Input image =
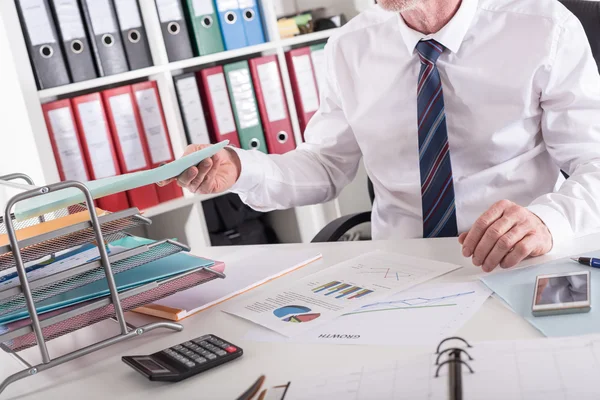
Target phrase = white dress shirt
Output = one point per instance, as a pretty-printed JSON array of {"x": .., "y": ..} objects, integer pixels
[{"x": 522, "y": 98}]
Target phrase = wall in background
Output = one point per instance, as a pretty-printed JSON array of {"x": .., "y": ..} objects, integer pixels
[{"x": 15, "y": 129}]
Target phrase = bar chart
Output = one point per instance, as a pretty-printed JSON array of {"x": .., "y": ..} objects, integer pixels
[{"x": 341, "y": 290}]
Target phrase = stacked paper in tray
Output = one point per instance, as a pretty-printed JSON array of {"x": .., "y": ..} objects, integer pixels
[
  {"x": 158, "y": 270},
  {"x": 103, "y": 187}
]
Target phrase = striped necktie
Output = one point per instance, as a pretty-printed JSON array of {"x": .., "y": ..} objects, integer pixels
[{"x": 437, "y": 187}]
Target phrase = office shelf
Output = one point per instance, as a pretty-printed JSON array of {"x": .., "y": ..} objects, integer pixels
[
  {"x": 307, "y": 38},
  {"x": 183, "y": 218},
  {"x": 222, "y": 56},
  {"x": 49, "y": 94}
]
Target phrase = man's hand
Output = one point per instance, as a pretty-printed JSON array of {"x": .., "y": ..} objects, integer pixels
[
  {"x": 505, "y": 235},
  {"x": 213, "y": 175}
]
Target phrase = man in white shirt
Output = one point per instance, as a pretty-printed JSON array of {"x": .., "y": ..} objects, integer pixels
[{"x": 464, "y": 113}]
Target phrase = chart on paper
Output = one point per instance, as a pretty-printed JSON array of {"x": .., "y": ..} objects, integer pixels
[
  {"x": 339, "y": 289},
  {"x": 422, "y": 315}
]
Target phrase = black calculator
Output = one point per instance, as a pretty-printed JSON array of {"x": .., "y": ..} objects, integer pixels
[{"x": 184, "y": 360}]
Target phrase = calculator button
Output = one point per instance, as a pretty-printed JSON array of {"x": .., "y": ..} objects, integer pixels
[
  {"x": 220, "y": 353},
  {"x": 187, "y": 344},
  {"x": 210, "y": 356},
  {"x": 190, "y": 364},
  {"x": 199, "y": 360},
  {"x": 178, "y": 347},
  {"x": 231, "y": 349}
]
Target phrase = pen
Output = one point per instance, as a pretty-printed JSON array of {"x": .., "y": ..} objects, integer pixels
[{"x": 591, "y": 262}]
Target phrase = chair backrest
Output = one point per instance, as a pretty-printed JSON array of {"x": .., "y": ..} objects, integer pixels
[
  {"x": 588, "y": 12},
  {"x": 371, "y": 190}
]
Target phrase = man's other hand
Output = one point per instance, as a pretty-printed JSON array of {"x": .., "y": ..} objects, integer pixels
[
  {"x": 213, "y": 175},
  {"x": 505, "y": 235}
]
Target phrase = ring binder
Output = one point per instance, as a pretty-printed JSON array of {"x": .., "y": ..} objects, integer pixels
[{"x": 455, "y": 365}]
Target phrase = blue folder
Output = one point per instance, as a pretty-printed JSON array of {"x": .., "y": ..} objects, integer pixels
[
  {"x": 155, "y": 271},
  {"x": 516, "y": 288},
  {"x": 39, "y": 205},
  {"x": 232, "y": 26},
  {"x": 252, "y": 22}
]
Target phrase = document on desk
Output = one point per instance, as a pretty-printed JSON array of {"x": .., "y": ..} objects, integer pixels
[
  {"x": 326, "y": 295},
  {"x": 273, "y": 264},
  {"x": 103, "y": 187},
  {"x": 548, "y": 369},
  {"x": 422, "y": 315},
  {"x": 516, "y": 288}
]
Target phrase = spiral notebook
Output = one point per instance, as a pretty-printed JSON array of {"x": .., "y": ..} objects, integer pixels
[{"x": 549, "y": 369}]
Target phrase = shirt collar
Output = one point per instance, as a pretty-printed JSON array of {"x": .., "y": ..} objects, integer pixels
[{"x": 451, "y": 35}]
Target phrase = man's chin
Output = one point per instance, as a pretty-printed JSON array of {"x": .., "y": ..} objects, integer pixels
[{"x": 397, "y": 5}]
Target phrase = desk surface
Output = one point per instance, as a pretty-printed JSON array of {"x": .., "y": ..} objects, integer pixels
[{"x": 102, "y": 375}]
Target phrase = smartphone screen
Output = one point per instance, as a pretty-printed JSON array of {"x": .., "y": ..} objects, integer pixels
[{"x": 555, "y": 290}]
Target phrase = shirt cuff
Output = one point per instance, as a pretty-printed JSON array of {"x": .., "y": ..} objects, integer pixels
[
  {"x": 557, "y": 224},
  {"x": 251, "y": 174}
]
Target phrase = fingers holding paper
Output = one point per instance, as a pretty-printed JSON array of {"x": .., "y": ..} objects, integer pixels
[
  {"x": 213, "y": 175},
  {"x": 504, "y": 236}
]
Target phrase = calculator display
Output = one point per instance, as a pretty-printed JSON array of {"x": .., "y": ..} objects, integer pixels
[{"x": 151, "y": 365}]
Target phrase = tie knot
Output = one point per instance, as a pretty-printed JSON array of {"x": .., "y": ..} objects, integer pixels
[{"x": 429, "y": 51}]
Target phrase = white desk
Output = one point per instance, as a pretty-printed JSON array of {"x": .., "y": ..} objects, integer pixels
[{"x": 102, "y": 375}]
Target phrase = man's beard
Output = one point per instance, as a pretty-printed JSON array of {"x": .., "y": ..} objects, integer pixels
[{"x": 398, "y": 5}]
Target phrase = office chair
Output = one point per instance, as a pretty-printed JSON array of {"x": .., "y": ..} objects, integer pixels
[{"x": 588, "y": 13}]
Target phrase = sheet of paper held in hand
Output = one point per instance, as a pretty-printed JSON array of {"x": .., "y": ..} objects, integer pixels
[
  {"x": 104, "y": 187},
  {"x": 342, "y": 288}
]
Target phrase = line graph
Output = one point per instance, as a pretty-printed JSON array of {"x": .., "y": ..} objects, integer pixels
[
  {"x": 387, "y": 273},
  {"x": 416, "y": 302}
]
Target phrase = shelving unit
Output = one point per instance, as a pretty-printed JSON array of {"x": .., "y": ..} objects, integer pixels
[{"x": 181, "y": 218}]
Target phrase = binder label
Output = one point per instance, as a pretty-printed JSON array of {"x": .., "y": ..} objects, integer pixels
[
  {"x": 128, "y": 14},
  {"x": 67, "y": 143},
  {"x": 191, "y": 105},
  {"x": 243, "y": 95},
  {"x": 37, "y": 21},
  {"x": 160, "y": 149},
  {"x": 225, "y": 5},
  {"x": 318, "y": 59},
  {"x": 203, "y": 7},
  {"x": 270, "y": 82},
  {"x": 96, "y": 131},
  {"x": 127, "y": 132},
  {"x": 306, "y": 83},
  {"x": 101, "y": 16},
  {"x": 169, "y": 10},
  {"x": 247, "y": 4},
  {"x": 221, "y": 104},
  {"x": 69, "y": 19}
]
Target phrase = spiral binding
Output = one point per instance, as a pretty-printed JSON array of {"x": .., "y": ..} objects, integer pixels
[{"x": 455, "y": 364}]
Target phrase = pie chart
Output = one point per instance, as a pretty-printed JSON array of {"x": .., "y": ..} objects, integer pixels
[
  {"x": 289, "y": 310},
  {"x": 301, "y": 318}
]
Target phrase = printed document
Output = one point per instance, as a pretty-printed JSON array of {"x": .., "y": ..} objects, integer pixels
[{"x": 342, "y": 288}]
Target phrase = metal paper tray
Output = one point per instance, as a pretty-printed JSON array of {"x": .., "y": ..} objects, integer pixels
[
  {"x": 12, "y": 300},
  {"x": 68, "y": 237},
  {"x": 20, "y": 335}
]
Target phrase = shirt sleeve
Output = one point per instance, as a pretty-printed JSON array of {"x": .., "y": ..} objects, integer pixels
[
  {"x": 570, "y": 126},
  {"x": 317, "y": 170}
]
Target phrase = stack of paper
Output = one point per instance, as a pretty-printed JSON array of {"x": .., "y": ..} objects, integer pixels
[{"x": 246, "y": 277}]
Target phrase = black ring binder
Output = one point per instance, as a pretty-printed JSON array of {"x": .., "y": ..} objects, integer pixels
[
  {"x": 437, "y": 361},
  {"x": 455, "y": 364},
  {"x": 451, "y": 338}
]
